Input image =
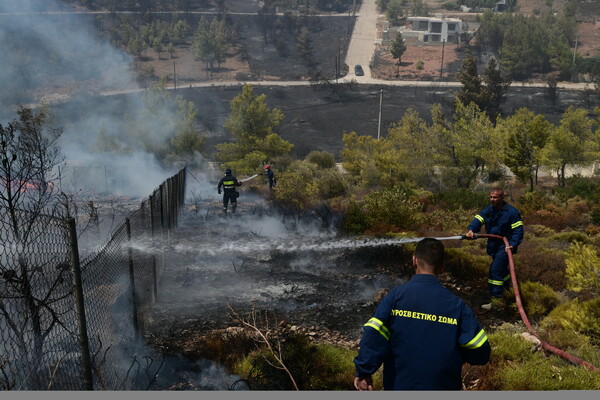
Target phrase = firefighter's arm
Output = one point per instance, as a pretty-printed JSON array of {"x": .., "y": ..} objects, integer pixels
[
  {"x": 517, "y": 231},
  {"x": 473, "y": 341},
  {"x": 475, "y": 225},
  {"x": 375, "y": 343}
]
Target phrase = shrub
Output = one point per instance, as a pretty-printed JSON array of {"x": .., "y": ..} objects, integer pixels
[
  {"x": 571, "y": 237},
  {"x": 583, "y": 268},
  {"x": 420, "y": 65},
  {"x": 313, "y": 366},
  {"x": 520, "y": 367},
  {"x": 355, "y": 219},
  {"x": 536, "y": 263},
  {"x": 393, "y": 206},
  {"x": 595, "y": 215},
  {"x": 575, "y": 316},
  {"x": 323, "y": 159},
  {"x": 332, "y": 183},
  {"x": 538, "y": 299},
  {"x": 461, "y": 198},
  {"x": 463, "y": 264},
  {"x": 532, "y": 201},
  {"x": 582, "y": 187}
]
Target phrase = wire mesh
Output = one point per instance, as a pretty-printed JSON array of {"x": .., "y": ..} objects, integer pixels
[{"x": 39, "y": 335}]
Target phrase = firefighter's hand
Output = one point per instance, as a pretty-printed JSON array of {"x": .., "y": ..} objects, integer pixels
[
  {"x": 219, "y": 191},
  {"x": 508, "y": 248},
  {"x": 469, "y": 235},
  {"x": 363, "y": 383}
]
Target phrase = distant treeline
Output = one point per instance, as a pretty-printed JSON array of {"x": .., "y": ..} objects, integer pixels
[{"x": 194, "y": 5}]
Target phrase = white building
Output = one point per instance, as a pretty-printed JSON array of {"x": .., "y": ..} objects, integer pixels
[{"x": 435, "y": 29}]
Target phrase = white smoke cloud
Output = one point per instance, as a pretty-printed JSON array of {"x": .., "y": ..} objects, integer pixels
[{"x": 59, "y": 55}]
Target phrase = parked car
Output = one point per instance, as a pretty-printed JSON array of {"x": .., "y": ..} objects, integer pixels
[{"x": 358, "y": 70}]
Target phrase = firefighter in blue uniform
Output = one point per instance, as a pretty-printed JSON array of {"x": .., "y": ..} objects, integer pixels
[
  {"x": 420, "y": 332},
  {"x": 502, "y": 219},
  {"x": 229, "y": 183}
]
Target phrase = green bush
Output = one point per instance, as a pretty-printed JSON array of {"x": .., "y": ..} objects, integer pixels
[
  {"x": 579, "y": 186},
  {"x": 313, "y": 367},
  {"x": 575, "y": 316},
  {"x": 570, "y": 237},
  {"x": 323, "y": 159},
  {"x": 420, "y": 65},
  {"x": 463, "y": 264},
  {"x": 355, "y": 219},
  {"x": 332, "y": 183},
  {"x": 393, "y": 206},
  {"x": 541, "y": 373},
  {"x": 461, "y": 198},
  {"x": 583, "y": 268},
  {"x": 595, "y": 215},
  {"x": 519, "y": 366},
  {"x": 532, "y": 201},
  {"x": 538, "y": 299}
]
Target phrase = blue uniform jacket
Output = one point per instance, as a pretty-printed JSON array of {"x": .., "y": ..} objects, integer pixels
[
  {"x": 422, "y": 334},
  {"x": 504, "y": 222}
]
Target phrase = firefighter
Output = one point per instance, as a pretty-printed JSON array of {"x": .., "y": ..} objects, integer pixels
[
  {"x": 271, "y": 176},
  {"x": 502, "y": 219},
  {"x": 229, "y": 183},
  {"x": 421, "y": 332}
]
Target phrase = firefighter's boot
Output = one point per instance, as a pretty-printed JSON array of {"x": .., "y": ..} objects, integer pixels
[
  {"x": 224, "y": 210},
  {"x": 233, "y": 207}
]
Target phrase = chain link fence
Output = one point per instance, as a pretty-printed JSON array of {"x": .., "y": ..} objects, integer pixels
[{"x": 71, "y": 324}]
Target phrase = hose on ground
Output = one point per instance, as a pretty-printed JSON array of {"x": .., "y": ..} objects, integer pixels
[{"x": 513, "y": 276}]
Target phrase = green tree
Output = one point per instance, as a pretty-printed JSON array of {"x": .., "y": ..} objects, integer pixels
[
  {"x": 361, "y": 157},
  {"x": 496, "y": 87},
  {"x": 524, "y": 134},
  {"x": 397, "y": 49},
  {"x": 210, "y": 42},
  {"x": 472, "y": 84},
  {"x": 252, "y": 124},
  {"x": 395, "y": 10},
  {"x": 473, "y": 144},
  {"x": 572, "y": 143},
  {"x": 187, "y": 140}
]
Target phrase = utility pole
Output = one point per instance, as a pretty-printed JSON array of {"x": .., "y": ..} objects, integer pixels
[
  {"x": 574, "y": 54},
  {"x": 379, "y": 124},
  {"x": 442, "y": 66}
]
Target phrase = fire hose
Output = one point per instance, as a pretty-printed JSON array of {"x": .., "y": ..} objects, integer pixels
[{"x": 559, "y": 352}]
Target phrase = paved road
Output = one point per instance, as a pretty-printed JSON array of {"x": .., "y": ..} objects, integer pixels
[
  {"x": 362, "y": 43},
  {"x": 360, "y": 51}
]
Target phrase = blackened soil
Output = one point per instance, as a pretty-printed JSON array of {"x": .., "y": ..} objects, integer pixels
[{"x": 294, "y": 272}]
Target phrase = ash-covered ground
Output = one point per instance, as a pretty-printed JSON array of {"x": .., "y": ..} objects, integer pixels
[{"x": 297, "y": 271}]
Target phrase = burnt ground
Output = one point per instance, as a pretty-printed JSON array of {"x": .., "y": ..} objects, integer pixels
[{"x": 300, "y": 274}]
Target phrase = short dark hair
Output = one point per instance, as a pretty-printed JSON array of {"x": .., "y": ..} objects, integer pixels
[{"x": 431, "y": 252}]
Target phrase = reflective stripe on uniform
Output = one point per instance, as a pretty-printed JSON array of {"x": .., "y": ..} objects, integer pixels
[
  {"x": 507, "y": 277},
  {"x": 379, "y": 327},
  {"x": 517, "y": 224},
  {"x": 228, "y": 184},
  {"x": 480, "y": 218},
  {"x": 497, "y": 283},
  {"x": 477, "y": 341}
]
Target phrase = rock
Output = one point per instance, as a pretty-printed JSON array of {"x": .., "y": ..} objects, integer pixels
[{"x": 530, "y": 338}]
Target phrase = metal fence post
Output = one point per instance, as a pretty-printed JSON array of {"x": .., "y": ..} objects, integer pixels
[
  {"x": 84, "y": 347},
  {"x": 154, "y": 273},
  {"x": 132, "y": 278}
]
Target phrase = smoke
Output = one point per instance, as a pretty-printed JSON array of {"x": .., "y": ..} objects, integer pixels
[{"x": 56, "y": 57}]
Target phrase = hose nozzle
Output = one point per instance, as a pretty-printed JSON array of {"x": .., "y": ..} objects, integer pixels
[{"x": 465, "y": 237}]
